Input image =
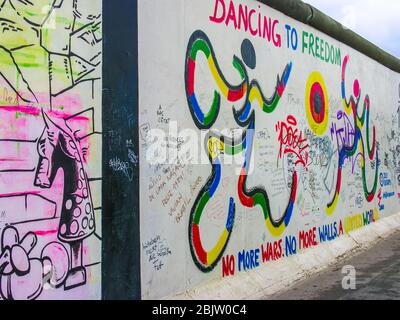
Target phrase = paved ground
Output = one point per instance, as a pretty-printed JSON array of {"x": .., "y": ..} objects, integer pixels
[{"x": 377, "y": 277}]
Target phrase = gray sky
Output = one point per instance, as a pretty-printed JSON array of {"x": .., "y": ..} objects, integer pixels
[{"x": 376, "y": 20}]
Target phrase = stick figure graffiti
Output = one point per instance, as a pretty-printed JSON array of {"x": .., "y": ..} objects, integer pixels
[
  {"x": 349, "y": 150},
  {"x": 198, "y": 44}
]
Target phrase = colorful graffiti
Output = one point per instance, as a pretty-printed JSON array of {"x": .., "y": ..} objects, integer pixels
[
  {"x": 292, "y": 142},
  {"x": 277, "y": 133},
  {"x": 358, "y": 143},
  {"x": 291, "y": 139},
  {"x": 317, "y": 108},
  {"x": 50, "y": 139},
  {"x": 245, "y": 117}
]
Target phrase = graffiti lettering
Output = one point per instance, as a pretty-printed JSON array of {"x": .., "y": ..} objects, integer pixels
[
  {"x": 292, "y": 141},
  {"x": 243, "y": 18}
]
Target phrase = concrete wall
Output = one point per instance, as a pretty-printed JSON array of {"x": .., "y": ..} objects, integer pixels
[
  {"x": 297, "y": 140},
  {"x": 50, "y": 149}
]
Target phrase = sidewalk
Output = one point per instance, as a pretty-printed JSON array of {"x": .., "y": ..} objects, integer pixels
[
  {"x": 377, "y": 276},
  {"x": 270, "y": 281}
]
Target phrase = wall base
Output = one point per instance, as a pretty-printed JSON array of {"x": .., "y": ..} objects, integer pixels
[{"x": 277, "y": 276}]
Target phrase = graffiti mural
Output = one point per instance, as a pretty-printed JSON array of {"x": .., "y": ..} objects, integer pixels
[
  {"x": 317, "y": 108},
  {"x": 50, "y": 142},
  {"x": 260, "y": 137},
  {"x": 245, "y": 117},
  {"x": 358, "y": 141}
]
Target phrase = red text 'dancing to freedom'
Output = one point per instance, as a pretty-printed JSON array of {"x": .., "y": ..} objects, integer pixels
[{"x": 244, "y": 18}]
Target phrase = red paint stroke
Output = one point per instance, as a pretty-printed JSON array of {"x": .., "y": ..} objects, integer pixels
[
  {"x": 62, "y": 115},
  {"x": 12, "y": 160},
  {"x": 244, "y": 199},
  {"x": 45, "y": 233},
  {"x": 191, "y": 71},
  {"x": 201, "y": 253},
  {"x": 236, "y": 95},
  {"x": 36, "y": 112},
  {"x": 9, "y": 195},
  {"x": 371, "y": 197},
  {"x": 294, "y": 188},
  {"x": 281, "y": 89},
  {"x": 22, "y": 109}
]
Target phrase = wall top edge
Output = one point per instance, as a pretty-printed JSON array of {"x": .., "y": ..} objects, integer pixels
[{"x": 313, "y": 17}]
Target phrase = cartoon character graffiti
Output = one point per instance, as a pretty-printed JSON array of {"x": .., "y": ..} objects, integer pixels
[
  {"x": 22, "y": 273},
  {"x": 23, "y": 277},
  {"x": 198, "y": 44},
  {"x": 59, "y": 149}
]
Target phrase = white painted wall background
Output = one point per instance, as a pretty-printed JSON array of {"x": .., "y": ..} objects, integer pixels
[{"x": 164, "y": 31}]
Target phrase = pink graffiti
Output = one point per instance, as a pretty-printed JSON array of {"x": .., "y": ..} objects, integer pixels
[
  {"x": 45, "y": 233},
  {"x": 22, "y": 272},
  {"x": 22, "y": 109},
  {"x": 16, "y": 194},
  {"x": 37, "y": 111}
]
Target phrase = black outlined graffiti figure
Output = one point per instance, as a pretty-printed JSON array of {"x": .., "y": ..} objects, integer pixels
[
  {"x": 199, "y": 44},
  {"x": 59, "y": 149},
  {"x": 24, "y": 276}
]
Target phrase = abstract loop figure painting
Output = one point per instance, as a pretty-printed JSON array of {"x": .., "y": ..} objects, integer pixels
[
  {"x": 358, "y": 144},
  {"x": 245, "y": 117}
]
